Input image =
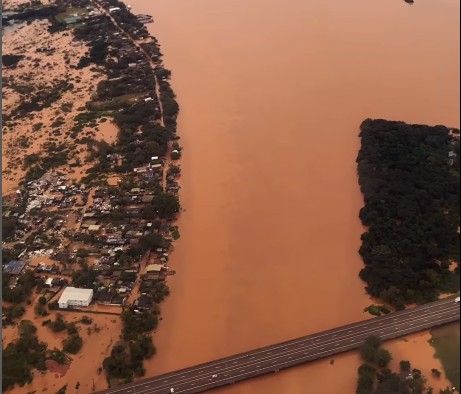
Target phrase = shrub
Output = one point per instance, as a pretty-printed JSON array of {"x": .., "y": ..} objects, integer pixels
[{"x": 72, "y": 344}]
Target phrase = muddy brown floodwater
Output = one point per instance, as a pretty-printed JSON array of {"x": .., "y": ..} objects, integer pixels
[{"x": 272, "y": 94}]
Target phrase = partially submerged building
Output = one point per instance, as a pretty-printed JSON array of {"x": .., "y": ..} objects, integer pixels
[{"x": 72, "y": 296}]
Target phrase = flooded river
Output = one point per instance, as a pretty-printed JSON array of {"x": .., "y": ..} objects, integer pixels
[{"x": 272, "y": 94}]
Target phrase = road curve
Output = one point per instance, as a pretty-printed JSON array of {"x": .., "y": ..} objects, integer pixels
[{"x": 273, "y": 358}]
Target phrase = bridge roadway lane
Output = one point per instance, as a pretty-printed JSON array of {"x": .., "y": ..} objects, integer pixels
[{"x": 272, "y": 358}]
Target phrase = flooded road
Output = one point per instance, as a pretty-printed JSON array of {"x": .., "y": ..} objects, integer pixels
[{"x": 272, "y": 94}]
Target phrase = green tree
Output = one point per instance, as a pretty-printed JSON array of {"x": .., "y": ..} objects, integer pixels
[
  {"x": 405, "y": 366},
  {"x": 367, "y": 376},
  {"x": 58, "y": 324},
  {"x": 383, "y": 357},
  {"x": 166, "y": 205},
  {"x": 72, "y": 344}
]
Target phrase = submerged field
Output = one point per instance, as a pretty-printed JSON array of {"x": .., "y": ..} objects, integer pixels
[{"x": 446, "y": 341}]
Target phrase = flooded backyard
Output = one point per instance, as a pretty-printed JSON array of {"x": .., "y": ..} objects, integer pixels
[{"x": 272, "y": 94}]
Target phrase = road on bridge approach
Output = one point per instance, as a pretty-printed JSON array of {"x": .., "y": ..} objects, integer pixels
[{"x": 273, "y": 358}]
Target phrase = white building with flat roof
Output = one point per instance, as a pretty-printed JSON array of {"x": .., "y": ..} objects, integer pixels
[{"x": 71, "y": 296}]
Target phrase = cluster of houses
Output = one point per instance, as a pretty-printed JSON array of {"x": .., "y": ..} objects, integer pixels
[
  {"x": 56, "y": 215},
  {"x": 115, "y": 279}
]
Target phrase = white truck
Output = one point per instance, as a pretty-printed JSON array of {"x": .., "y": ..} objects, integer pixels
[{"x": 457, "y": 299}]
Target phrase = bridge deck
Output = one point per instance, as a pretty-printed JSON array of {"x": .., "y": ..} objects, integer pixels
[{"x": 287, "y": 354}]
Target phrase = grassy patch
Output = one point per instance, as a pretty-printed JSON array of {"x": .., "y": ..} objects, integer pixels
[
  {"x": 445, "y": 340},
  {"x": 115, "y": 103},
  {"x": 69, "y": 12}
]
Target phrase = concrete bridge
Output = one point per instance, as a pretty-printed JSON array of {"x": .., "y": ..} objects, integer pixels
[{"x": 298, "y": 351}]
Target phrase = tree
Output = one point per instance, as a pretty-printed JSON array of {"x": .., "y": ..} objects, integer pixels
[
  {"x": 369, "y": 349},
  {"x": 405, "y": 366},
  {"x": 383, "y": 357},
  {"x": 58, "y": 324},
  {"x": 8, "y": 228},
  {"x": 72, "y": 344},
  {"x": 40, "y": 309},
  {"x": 159, "y": 291},
  {"x": 117, "y": 364},
  {"x": 58, "y": 356},
  {"x": 20, "y": 357},
  {"x": 151, "y": 241},
  {"x": 367, "y": 376},
  {"x": 166, "y": 205}
]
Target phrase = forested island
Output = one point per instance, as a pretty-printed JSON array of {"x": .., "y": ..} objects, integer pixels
[{"x": 409, "y": 176}]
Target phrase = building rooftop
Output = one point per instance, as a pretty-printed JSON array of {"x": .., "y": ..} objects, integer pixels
[
  {"x": 72, "y": 293},
  {"x": 14, "y": 267},
  {"x": 154, "y": 267}
]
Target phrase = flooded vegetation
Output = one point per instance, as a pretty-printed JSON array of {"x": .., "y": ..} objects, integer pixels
[
  {"x": 445, "y": 341},
  {"x": 409, "y": 175}
]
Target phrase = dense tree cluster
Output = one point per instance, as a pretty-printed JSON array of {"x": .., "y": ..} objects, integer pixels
[
  {"x": 10, "y": 314},
  {"x": 20, "y": 357},
  {"x": 126, "y": 359},
  {"x": 21, "y": 291},
  {"x": 411, "y": 193},
  {"x": 11, "y": 60}
]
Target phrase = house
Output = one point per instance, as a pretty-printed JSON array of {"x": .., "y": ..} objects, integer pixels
[
  {"x": 143, "y": 302},
  {"x": 104, "y": 298},
  {"x": 118, "y": 300},
  {"x": 155, "y": 167},
  {"x": 94, "y": 228},
  {"x": 147, "y": 198},
  {"x": 154, "y": 268},
  {"x": 452, "y": 157},
  {"x": 14, "y": 267},
  {"x": 71, "y": 296},
  {"x": 116, "y": 274},
  {"x": 58, "y": 282}
]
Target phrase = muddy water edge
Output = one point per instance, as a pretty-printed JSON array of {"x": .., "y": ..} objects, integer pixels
[{"x": 272, "y": 94}]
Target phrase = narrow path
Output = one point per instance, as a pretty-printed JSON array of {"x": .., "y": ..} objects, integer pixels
[
  {"x": 142, "y": 268},
  {"x": 166, "y": 165},
  {"x": 157, "y": 87},
  {"x": 146, "y": 55}
]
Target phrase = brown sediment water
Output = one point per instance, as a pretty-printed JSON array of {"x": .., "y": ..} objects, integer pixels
[
  {"x": 272, "y": 94},
  {"x": 417, "y": 350}
]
